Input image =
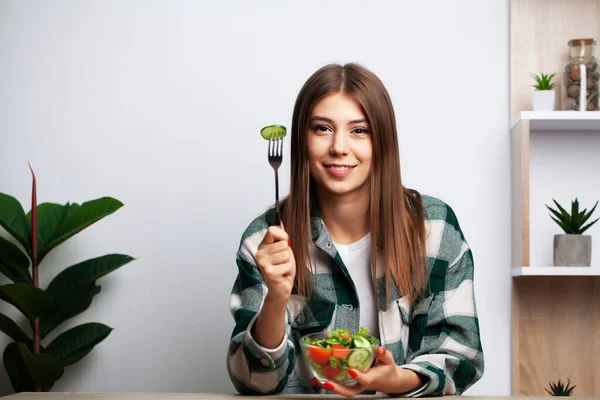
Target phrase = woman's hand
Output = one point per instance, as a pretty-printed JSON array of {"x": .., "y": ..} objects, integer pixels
[
  {"x": 277, "y": 264},
  {"x": 385, "y": 376}
]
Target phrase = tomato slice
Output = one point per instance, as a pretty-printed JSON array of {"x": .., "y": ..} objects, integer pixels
[
  {"x": 319, "y": 355},
  {"x": 331, "y": 372},
  {"x": 340, "y": 351}
]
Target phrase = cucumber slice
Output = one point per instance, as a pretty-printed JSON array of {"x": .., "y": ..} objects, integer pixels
[
  {"x": 360, "y": 341},
  {"x": 273, "y": 132},
  {"x": 358, "y": 357}
]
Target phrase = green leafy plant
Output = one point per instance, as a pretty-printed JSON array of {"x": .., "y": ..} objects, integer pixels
[
  {"x": 560, "y": 389},
  {"x": 572, "y": 223},
  {"x": 544, "y": 82},
  {"x": 31, "y": 365}
]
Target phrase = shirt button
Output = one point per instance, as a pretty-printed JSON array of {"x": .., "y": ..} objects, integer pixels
[
  {"x": 264, "y": 362},
  {"x": 301, "y": 319},
  {"x": 348, "y": 306}
]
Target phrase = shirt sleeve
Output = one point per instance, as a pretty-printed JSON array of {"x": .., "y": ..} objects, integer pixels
[
  {"x": 252, "y": 368},
  {"x": 449, "y": 353}
]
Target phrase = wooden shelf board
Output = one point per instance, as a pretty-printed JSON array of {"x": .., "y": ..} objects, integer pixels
[{"x": 556, "y": 271}]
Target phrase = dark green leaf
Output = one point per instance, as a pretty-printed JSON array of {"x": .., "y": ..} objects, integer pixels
[
  {"x": 12, "y": 218},
  {"x": 67, "y": 304},
  {"x": 86, "y": 272},
  {"x": 576, "y": 222},
  {"x": 29, "y": 371},
  {"x": 73, "y": 289},
  {"x": 50, "y": 217},
  {"x": 564, "y": 227},
  {"x": 585, "y": 228},
  {"x": 14, "y": 275},
  {"x": 18, "y": 368},
  {"x": 589, "y": 214},
  {"x": 30, "y": 300},
  {"x": 74, "y": 344},
  {"x": 566, "y": 216},
  {"x": 556, "y": 213},
  {"x": 13, "y": 330},
  {"x": 79, "y": 218},
  {"x": 12, "y": 258},
  {"x": 575, "y": 207}
]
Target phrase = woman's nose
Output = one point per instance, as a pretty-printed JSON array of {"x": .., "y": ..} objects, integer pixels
[{"x": 339, "y": 144}]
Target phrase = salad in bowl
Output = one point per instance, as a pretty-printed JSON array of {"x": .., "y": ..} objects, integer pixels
[{"x": 329, "y": 356}]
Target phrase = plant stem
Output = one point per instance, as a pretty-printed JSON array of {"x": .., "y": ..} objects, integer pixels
[
  {"x": 36, "y": 322},
  {"x": 34, "y": 265}
]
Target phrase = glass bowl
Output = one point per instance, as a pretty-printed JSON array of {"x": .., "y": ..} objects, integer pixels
[{"x": 331, "y": 362}]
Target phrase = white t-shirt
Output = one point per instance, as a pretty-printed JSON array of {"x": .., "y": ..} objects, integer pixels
[{"x": 357, "y": 259}]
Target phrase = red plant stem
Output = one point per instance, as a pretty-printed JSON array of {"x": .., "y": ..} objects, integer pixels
[{"x": 34, "y": 261}]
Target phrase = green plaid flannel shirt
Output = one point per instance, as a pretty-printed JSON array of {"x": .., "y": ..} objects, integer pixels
[{"x": 438, "y": 337}]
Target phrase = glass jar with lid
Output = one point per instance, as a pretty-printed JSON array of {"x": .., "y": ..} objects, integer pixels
[{"x": 581, "y": 79}]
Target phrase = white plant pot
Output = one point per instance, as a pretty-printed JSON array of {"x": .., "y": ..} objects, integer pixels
[{"x": 544, "y": 100}]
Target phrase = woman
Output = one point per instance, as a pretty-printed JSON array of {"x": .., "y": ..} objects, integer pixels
[{"x": 355, "y": 248}]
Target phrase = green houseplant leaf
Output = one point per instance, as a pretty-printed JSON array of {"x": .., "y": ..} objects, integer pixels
[
  {"x": 30, "y": 372},
  {"x": 50, "y": 217},
  {"x": 67, "y": 305},
  {"x": 572, "y": 223},
  {"x": 87, "y": 272},
  {"x": 13, "y": 219},
  {"x": 74, "y": 344},
  {"x": 73, "y": 289},
  {"x": 30, "y": 300},
  {"x": 544, "y": 82},
  {"x": 78, "y": 218},
  {"x": 13, "y": 330},
  {"x": 15, "y": 264},
  {"x": 561, "y": 389}
]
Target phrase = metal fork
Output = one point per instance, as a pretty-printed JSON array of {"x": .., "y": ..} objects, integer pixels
[{"x": 275, "y": 159}]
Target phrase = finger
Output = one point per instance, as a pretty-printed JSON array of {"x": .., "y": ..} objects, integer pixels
[
  {"x": 316, "y": 382},
  {"x": 279, "y": 258},
  {"x": 274, "y": 247},
  {"x": 362, "y": 378},
  {"x": 274, "y": 234},
  {"x": 384, "y": 357},
  {"x": 288, "y": 240},
  {"x": 346, "y": 391},
  {"x": 277, "y": 270}
]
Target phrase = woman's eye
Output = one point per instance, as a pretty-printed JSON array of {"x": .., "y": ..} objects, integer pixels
[
  {"x": 320, "y": 128},
  {"x": 360, "y": 131}
]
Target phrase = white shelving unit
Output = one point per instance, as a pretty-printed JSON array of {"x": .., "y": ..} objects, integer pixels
[
  {"x": 560, "y": 120},
  {"x": 522, "y": 128},
  {"x": 556, "y": 271}
]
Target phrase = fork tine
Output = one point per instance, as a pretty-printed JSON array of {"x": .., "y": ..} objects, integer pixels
[
  {"x": 275, "y": 147},
  {"x": 281, "y": 146}
]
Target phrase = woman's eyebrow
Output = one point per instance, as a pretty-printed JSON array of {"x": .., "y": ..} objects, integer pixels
[
  {"x": 354, "y": 121},
  {"x": 358, "y": 121},
  {"x": 319, "y": 118}
]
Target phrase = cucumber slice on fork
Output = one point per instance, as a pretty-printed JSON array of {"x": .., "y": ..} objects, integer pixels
[{"x": 273, "y": 132}]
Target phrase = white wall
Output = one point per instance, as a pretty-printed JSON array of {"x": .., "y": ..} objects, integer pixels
[{"x": 159, "y": 104}]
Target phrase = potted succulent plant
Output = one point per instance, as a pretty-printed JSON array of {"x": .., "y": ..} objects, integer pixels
[
  {"x": 572, "y": 248},
  {"x": 544, "y": 96},
  {"x": 561, "y": 389}
]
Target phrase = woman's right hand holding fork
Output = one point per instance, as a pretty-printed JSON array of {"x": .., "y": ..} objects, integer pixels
[{"x": 276, "y": 262}]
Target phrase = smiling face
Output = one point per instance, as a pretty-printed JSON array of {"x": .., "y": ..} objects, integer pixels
[{"x": 340, "y": 147}]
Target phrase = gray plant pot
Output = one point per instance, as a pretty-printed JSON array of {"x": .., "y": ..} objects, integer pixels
[{"x": 572, "y": 250}]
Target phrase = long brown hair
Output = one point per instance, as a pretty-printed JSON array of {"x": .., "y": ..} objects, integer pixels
[{"x": 396, "y": 213}]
